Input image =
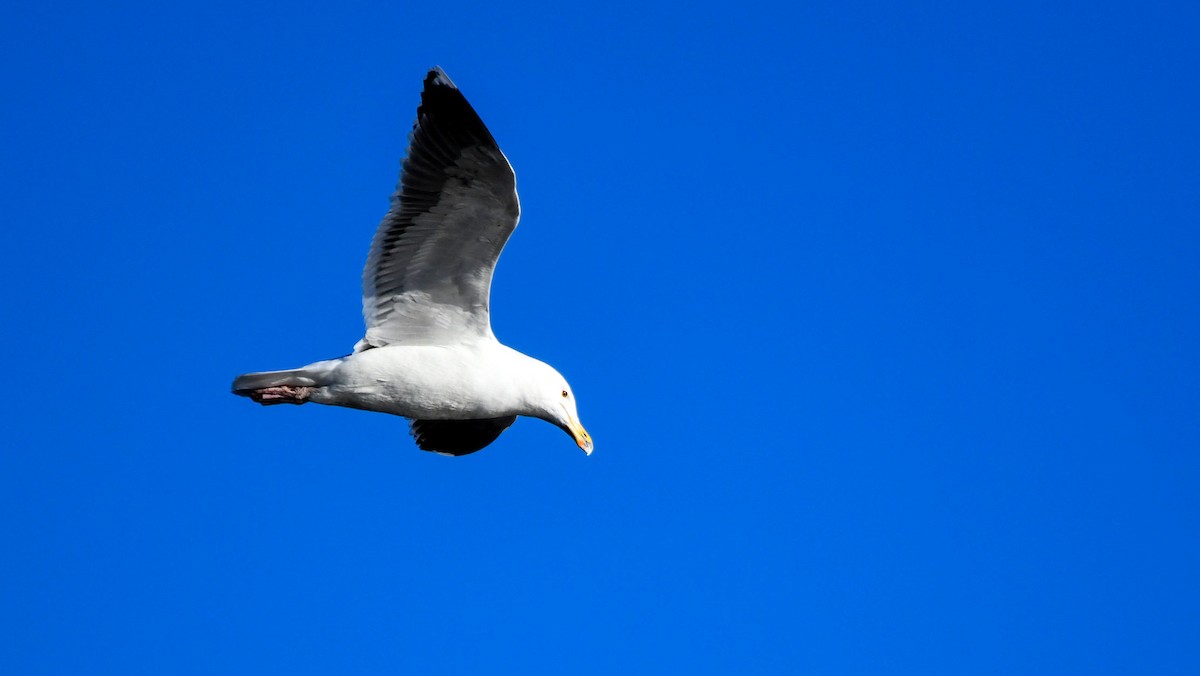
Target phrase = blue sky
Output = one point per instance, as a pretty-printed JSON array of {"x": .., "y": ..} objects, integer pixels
[{"x": 884, "y": 321}]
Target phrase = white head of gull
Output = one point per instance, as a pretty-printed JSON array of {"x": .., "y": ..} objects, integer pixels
[{"x": 429, "y": 353}]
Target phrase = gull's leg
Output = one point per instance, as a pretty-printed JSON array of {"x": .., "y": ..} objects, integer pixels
[{"x": 281, "y": 394}]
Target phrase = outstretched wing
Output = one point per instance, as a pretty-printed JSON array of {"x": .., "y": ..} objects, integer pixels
[
  {"x": 429, "y": 272},
  {"x": 458, "y": 437}
]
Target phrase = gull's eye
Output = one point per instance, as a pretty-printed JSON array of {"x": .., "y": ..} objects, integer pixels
[{"x": 565, "y": 395}]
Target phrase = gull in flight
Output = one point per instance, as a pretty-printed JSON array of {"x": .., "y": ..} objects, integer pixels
[{"x": 429, "y": 353}]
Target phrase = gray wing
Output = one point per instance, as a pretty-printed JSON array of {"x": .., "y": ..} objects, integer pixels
[{"x": 429, "y": 273}]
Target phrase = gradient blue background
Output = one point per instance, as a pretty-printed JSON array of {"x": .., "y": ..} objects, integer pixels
[{"x": 884, "y": 322}]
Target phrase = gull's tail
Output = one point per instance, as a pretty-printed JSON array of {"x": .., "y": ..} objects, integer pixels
[{"x": 284, "y": 387}]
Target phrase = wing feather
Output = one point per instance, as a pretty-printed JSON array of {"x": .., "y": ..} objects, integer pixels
[
  {"x": 429, "y": 272},
  {"x": 458, "y": 437}
]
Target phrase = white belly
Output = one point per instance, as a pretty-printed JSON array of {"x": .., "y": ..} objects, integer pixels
[{"x": 423, "y": 382}]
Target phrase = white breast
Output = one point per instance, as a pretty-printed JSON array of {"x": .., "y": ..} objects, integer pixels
[{"x": 426, "y": 382}]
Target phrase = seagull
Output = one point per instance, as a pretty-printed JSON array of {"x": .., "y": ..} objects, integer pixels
[{"x": 429, "y": 353}]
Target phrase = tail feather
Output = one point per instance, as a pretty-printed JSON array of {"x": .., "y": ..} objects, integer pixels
[
  {"x": 313, "y": 375},
  {"x": 256, "y": 381}
]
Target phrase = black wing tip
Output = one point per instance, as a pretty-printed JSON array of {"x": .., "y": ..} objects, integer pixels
[
  {"x": 445, "y": 112},
  {"x": 458, "y": 437},
  {"x": 438, "y": 78}
]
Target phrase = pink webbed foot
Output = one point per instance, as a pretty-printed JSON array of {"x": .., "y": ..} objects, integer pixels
[{"x": 282, "y": 394}]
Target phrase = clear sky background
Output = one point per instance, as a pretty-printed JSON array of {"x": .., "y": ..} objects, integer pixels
[{"x": 884, "y": 321}]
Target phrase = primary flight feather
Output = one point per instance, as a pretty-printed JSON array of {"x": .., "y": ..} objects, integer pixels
[{"x": 429, "y": 353}]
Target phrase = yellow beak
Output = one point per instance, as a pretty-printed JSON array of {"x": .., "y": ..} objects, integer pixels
[{"x": 581, "y": 436}]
